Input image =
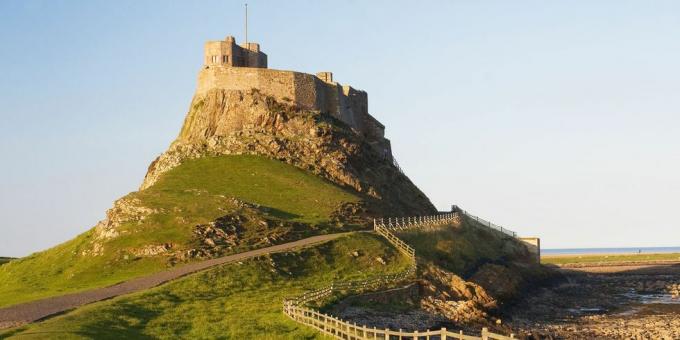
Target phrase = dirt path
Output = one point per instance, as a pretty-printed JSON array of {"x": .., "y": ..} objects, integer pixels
[{"x": 31, "y": 311}]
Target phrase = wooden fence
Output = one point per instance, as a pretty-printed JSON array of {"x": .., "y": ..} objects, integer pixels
[{"x": 295, "y": 307}]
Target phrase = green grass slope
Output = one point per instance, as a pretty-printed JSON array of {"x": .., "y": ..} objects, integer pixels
[
  {"x": 4, "y": 260},
  {"x": 197, "y": 192},
  {"x": 238, "y": 301},
  {"x": 462, "y": 249}
]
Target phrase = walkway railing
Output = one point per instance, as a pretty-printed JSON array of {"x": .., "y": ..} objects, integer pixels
[
  {"x": 295, "y": 307},
  {"x": 490, "y": 225}
]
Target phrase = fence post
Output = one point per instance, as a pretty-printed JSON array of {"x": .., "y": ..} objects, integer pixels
[{"x": 333, "y": 326}]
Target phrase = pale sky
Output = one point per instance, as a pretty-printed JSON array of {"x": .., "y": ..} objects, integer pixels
[{"x": 556, "y": 119}]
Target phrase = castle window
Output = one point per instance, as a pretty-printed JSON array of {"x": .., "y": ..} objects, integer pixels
[
  {"x": 214, "y": 59},
  {"x": 225, "y": 59}
]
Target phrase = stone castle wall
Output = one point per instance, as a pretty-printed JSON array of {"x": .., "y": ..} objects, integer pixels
[
  {"x": 227, "y": 52},
  {"x": 304, "y": 90}
]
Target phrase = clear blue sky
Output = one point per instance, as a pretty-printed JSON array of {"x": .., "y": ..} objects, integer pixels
[{"x": 556, "y": 119}]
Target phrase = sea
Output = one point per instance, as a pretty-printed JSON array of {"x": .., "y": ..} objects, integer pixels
[{"x": 630, "y": 250}]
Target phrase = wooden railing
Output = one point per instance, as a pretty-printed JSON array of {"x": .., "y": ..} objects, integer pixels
[{"x": 295, "y": 307}]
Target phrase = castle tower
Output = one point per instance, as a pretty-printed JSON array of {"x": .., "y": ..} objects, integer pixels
[
  {"x": 229, "y": 66},
  {"x": 228, "y": 53}
]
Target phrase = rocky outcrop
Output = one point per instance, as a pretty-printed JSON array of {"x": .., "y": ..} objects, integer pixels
[
  {"x": 447, "y": 294},
  {"x": 243, "y": 228},
  {"x": 124, "y": 210},
  {"x": 228, "y": 122},
  {"x": 152, "y": 250},
  {"x": 500, "y": 281}
]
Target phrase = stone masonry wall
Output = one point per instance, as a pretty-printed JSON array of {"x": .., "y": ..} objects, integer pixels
[
  {"x": 304, "y": 90},
  {"x": 534, "y": 246}
]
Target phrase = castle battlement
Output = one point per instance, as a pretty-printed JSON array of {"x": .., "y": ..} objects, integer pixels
[
  {"x": 228, "y": 53},
  {"x": 229, "y": 66}
]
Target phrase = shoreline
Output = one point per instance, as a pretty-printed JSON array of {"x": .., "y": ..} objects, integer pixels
[
  {"x": 609, "y": 260},
  {"x": 546, "y": 256},
  {"x": 633, "y": 268}
]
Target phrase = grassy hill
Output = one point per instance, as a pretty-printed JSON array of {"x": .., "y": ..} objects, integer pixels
[
  {"x": 4, "y": 260},
  {"x": 276, "y": 203},
  {"x": 237, "y": 301},
  {"x": 463, "y": 248},
  {"x": 243, "y": 301}
]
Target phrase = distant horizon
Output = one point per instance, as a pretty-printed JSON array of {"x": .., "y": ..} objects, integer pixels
[
  {"x": 610, "y": 250},
  {"x": 562, "y": 251},
  {"x": 558, "y": 120}
]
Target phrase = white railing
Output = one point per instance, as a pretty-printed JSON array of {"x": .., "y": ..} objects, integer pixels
[{"x": 295, "y": 307}]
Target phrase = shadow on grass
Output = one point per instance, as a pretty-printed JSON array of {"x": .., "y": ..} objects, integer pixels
[
  {"x": 129, "y": 320},
  {"x": 280, "y": 214}
]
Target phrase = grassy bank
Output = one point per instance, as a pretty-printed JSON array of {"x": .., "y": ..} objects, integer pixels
[
  {"x": 197, "y": 192},
  {"x": 239, "y": 301},
  {"x": 607, "y": 258},
  {"x": 463, "y": 248},
  {"x": 4, "y": 260}
]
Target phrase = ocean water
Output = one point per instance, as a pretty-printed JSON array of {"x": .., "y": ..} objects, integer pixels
[{"x": 631, "y": 250}]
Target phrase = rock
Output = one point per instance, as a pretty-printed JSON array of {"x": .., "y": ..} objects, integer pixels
[
  {"x": 498, "y": 280},
  {"x": 448, "y": 294},
  {"x": 124, "y": 210},
  {"x": 152, "y": 250},
  {"x": 247, "y": 122},
  {"x": 380, "y": 260}
]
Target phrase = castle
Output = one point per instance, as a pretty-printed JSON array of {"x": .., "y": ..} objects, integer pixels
[{"x": 229, "y": 66}]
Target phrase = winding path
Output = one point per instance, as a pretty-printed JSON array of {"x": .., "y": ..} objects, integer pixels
[{"x": 35, "y": 310}]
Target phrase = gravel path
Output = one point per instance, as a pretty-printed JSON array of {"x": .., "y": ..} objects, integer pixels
[{"x": 31, "y": 311}]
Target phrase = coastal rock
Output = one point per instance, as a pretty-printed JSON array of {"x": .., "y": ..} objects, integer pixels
[{"x": 447, "y": 294}]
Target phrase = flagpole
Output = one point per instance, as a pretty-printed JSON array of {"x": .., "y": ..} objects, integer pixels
[{"x": 246, "y": 25}]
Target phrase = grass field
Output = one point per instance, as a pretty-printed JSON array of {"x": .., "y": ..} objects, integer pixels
[
  {"x": 607, "y": 258},
  {"x": 4, "y": 260},
  {"x": 197, "y": 192},
  {"x": 239, "y": 301}
]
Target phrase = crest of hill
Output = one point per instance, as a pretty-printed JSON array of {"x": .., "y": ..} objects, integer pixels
[
  {"x": 250, "y": 168},
  {"x": 309, "y": 121}
]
